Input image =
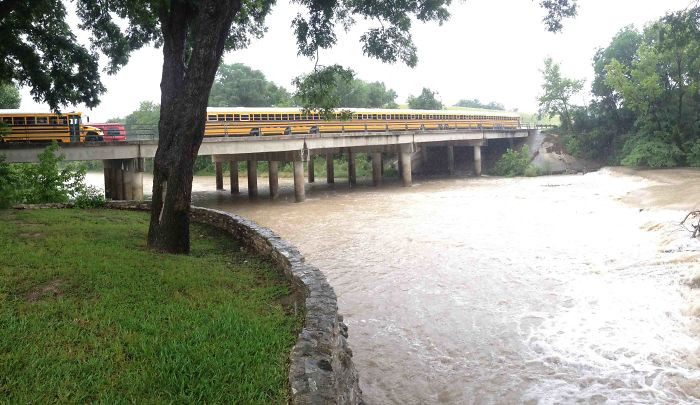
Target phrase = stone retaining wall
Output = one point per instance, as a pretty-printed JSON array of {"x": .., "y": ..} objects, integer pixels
[{"x": 321, "y": 368}]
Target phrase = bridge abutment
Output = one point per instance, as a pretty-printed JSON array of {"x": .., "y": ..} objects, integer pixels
[
  {"x": 405, "y": 164},
  {"x": 477, "y": 160},
  {"x": 352, "y": 171}
]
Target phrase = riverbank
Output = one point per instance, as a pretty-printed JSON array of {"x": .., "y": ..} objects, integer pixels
[{"x": 90, "y": 315}]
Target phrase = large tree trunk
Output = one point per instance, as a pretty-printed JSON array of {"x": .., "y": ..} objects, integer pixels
[{"x": 188, "y": 74}]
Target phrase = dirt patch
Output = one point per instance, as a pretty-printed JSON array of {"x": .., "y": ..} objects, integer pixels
[
  {"x": 49, "y": 289},
  {"x": 31, "y": 235}
]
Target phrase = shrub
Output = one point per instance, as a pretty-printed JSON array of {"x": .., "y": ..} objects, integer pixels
[
  {"x": 693, "y": 157},
  {"x": 8, "y": 184},
  {"x": 513, "y": 162},
  {"x": 89, "y": 197},
  {"x": 651, "y": 153}
]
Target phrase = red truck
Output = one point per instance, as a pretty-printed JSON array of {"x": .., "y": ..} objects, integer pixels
[{"x": 113, "y": 132}]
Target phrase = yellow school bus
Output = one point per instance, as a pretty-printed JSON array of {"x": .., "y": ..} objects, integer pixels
[
  {"x": 240, "y": 121},
  {"x": 24, "y": 126}
]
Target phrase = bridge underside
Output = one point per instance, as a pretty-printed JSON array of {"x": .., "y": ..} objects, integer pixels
[{"x": 123, "y": 161}]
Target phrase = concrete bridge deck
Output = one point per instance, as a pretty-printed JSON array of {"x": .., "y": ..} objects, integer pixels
[{"x": 123, "y": 161}]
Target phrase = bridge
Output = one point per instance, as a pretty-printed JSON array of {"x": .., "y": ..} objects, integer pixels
[{"x": 124, "y": 165}]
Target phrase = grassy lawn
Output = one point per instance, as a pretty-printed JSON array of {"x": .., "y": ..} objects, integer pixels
[{"x": 88, "y": 314}]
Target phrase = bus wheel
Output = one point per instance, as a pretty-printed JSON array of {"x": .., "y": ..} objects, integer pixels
[
  {"x": 255, "y": 132},
  {"x": 314, "y": 129},
  {"x": 288, "y": 131},
  {"x": 91, "y": 137}
]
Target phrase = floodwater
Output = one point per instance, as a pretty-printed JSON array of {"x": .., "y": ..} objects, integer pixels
[{"x": 562, "y": 289}]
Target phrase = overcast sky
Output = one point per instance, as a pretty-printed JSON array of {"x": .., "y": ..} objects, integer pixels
[{"x": 489, "y": 49}]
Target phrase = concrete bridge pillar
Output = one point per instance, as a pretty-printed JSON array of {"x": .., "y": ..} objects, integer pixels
[
  {"x": 377, "y": 168},
  {"x": 310, "y": 164},
  {"x": 233, "y": 169},
  {"x": 352, "y": 171},
  {"x": 219, "y": 175},
  {"x": 450, "y": 159},
  {"x": 477, "y": 160},
  {"x": 123, "y": 179},
  {"x": 405, "y": 161},
  {"x": 299, "y": 192},
  {"x": 330, "y": 175},
  {"x": 252, "y": 179},
  {"x": 274, "y": 179}
]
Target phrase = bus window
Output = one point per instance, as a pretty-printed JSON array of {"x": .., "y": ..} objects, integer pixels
[
  {"x": 63, "y": 120},
  {"x": 7, "y": 120},
  {"x": 264, "y": 117},
  {"x": 285, "y": 117},
  {"x": 53, "y": 120},
  {"x": 18, "y": 121},
  {"x": 245, "y": 117},
  {"x": 222, "y": 117},
  {"x": 229, "y": 117},
  {"x": 256, "y": 117},
  {"x": 236, "y": 117},
  {"x": 314, "y": 117},
  {"x": 31, "y": 120},
  {"x": 297, "y": 117},
  {"x": 210, "y": 117}
]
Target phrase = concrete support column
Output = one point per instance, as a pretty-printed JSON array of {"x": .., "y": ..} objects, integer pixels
[
  {"x": 477, "y": 160},
  {"x": 252, "y": 179},
  {"x": 219, "y": 175},
  {"x": 405, "y": 155},
  {"x": 451, "y": 159},
  {"x": 299, "y": 192},
  {"x": 310, "y": 164},
  {"x": 424, "y": 154},
  {"x": 377, "y": 169},
  {"x": 352, "y": 172},
  {"x": 107, "y": 170},
  {"x": 233, "y": 168},
  {"x": 274, "y": 179},
  {"x": 330, "y": 175}
]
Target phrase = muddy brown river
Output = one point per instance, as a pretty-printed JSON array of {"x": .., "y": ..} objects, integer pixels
[{"x": 561, "y": 289}]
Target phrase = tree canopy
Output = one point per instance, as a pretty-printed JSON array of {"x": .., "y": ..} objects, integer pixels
[
  {"x": 427, "y": 100},
  {"x": 557, "y": 93},
  {"x": 9, "y": 96},
  {"x": 646, "y": 106},
  {"x": 238, "y": 85}
]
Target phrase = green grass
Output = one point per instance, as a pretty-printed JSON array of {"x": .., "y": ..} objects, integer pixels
[{"x": 88, "y": 314}]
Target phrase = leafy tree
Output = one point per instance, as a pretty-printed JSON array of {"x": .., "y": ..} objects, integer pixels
[
  {"x": 475, "y": 103},
  {"x": 238, "y": 85},
  {"x": 9, "y": 96},
  {"x": 557, "y": 94},
  {"x": 425, "y": 101},
  {"x": 40, "y": 51}
]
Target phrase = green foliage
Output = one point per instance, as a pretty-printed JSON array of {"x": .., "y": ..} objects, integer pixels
[
  {"x": 357, "y": 93},
  {"x": 653, "y": 153},
  {"x": 475, "y": 103},
  {"x": 514, "y": 163},
  {"x": 89, "y": 315},
  {"x": 316, "y": 92},
  {"x": 557, "y": 93},
  {"x": 47, "y": 181},
  {"x": 9, "y": 96},
  {"x": 238, "y": 85},
  {"x": 89, "y": 197},
  {"x": 557, "y": 10},
  {"x": 425, "y": 101},
  {"x": 143, "y": 122},
  {"x": 693, "y": 157},
  {"x": 8, "y": 184}
]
